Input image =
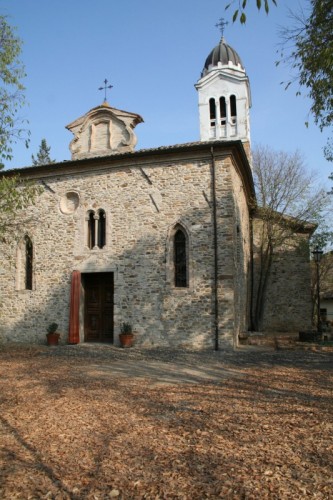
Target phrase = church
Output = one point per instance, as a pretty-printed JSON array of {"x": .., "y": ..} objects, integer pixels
[{"x": 161, "y": 238}]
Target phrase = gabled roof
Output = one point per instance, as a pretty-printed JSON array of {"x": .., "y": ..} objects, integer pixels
[{"x": 191, "y": 150}]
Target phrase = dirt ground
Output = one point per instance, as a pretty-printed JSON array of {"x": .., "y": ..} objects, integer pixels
[{"x": 99, "y": 422}]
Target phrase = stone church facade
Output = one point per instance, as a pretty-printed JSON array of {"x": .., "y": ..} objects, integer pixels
[{"x": 161, "y": 238}]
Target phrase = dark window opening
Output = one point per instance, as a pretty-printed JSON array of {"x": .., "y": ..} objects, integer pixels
[
  {"x": 323, "y": 315},
  {"x": 91, "y": 230},
  {"x": 212, "y": 112},
  {"x": 101, "y": 229},
  {"x": 223, "y": 110},
  {"x": 233, "y": 108},
  {"x": 180, "y": 259},
  {"x": 96, "y": 236},
  {"x": 28, "y": 263}
]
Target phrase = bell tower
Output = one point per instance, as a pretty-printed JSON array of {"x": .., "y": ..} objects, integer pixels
[{"x": 224, "y": 95}]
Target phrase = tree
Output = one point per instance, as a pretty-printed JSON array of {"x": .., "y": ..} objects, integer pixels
[
  {"x": 311, "y": 56},
  {"x": 307, "y": 47},
  {"x": 43, "y": 155},
  {"x": 287, "y": 201},
  {"x": 15, "y": 196},
  {"x": 321, "y": 239},
  {"x": 325, "y": 274},
  {"x": 11, "y": 90}
]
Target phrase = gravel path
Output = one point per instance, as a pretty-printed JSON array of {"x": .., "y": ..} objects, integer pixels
[{"x": 241, "y": 357}]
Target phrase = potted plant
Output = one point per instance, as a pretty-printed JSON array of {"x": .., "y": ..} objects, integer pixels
[
  {"x": 126, "y": 335},
  {"x": 52, "y": 336}
]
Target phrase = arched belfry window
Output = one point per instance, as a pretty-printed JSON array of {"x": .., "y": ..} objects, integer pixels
[
  {"x": 212, "y": 112},
  {"x": 180, "y": 259},
  {"x": 233, "y": 108},
  {"x": 28, "y": 263},
  {"x": 96, "y": 229},
  {"x": 223, "y": 110}
]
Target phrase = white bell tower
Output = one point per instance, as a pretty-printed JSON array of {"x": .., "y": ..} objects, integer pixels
[{"x": 224, "y": 96}]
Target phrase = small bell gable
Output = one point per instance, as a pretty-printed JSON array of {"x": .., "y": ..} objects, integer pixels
[{"x": 103, "y": 131}]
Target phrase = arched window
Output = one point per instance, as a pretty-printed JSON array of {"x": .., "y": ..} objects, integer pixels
[
  {"x": 212, "y": 112},
  {"x": 91, "y": 229},
  {"x": 223, "y": 110},
  {"x": 28, "y": 262},
  {"x": 180, "y": 259},
  {"x": 96, "y": 229},
  {"x": 101, "y": 229},
  {"x": 233, "y": 108}
]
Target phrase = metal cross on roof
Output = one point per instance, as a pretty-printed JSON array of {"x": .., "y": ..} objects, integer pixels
[
  {"x": 106, "y": 86},
  {"x": 221, "y": 25}
]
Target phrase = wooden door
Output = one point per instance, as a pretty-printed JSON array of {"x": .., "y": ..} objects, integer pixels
[{"x": 98, "y": 307}]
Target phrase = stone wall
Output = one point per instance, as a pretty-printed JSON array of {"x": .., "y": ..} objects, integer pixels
[
  {"x": 144, "y": 200},
  {"x": 287, "y": 306},
  {"x": 242, "y": 256}
]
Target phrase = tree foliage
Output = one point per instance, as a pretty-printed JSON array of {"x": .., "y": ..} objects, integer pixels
[
  {"x": 287, "y": 202},
  {"x": 284, "y": 186},
  {"x": 15, "y": 196},
  {"x": 11, "y": 90},
  {"x": 311, "y": 56},
  {"x": 307, "y": 47},
  {"x": 43, "y": 155},
  {"x": 240, "y": 13}
]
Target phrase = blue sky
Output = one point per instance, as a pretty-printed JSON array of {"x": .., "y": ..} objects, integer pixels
[{"x": 152, "y": 52}]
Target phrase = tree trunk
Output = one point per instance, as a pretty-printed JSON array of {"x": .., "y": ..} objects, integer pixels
[{"x": 266, "y": 258}]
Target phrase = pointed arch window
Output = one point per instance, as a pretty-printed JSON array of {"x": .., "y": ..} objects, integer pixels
[
  {"x": 180, "y": 259},
  {"x": 223, "y": 111},
  {"x": 28, "y": 263},
  {"x": 233, "y": 108}
]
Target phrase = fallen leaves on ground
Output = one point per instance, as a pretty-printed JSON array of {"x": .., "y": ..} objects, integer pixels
[{"x": 263, "y": 432}]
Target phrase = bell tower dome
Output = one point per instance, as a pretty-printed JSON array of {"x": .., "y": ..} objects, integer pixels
[{"x": 224, "y": 96}]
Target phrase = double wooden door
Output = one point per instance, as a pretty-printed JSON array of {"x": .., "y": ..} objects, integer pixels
[{"x": 98, "y": 307}]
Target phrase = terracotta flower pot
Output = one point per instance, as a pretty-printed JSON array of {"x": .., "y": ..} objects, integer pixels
[
  {"x": 52, "y": 338},
  {"x": 126, "y": 339}
]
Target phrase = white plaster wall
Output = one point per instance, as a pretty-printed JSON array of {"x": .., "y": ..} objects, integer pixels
[{"x": 215, "y": 85}]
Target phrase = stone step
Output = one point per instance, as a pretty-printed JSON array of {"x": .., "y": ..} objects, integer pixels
[
  {"x": 269, "y": 339},
  {"x": 281, "y": 341}
]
